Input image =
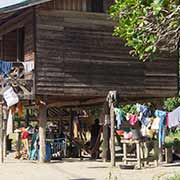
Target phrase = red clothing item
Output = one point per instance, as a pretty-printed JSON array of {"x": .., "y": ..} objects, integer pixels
[{"x": 25, "y": 135}]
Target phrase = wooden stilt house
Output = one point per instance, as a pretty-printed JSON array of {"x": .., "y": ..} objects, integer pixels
[{"x": 76, "y": 59}]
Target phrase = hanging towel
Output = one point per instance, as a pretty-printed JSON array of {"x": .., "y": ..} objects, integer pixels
[
  {"x": 9, "y": 123},
  {"x": 28, "y": 66},
  {"x": 5, "y": 67},
  {"x": 119, "y": 116},
  {"x": 133, "y": 119},
  {"x": 145, "y": 113},
  {"x": 174, "y": 118},
  {"x": 161, "y": 132},
  {"x": 155, "y": 124}
]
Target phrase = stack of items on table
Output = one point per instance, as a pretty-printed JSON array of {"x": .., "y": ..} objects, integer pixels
[{"x": 150, "y": 124}]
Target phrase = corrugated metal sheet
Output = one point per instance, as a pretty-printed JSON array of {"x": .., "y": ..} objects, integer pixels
[{"x": 14, "y": 5}]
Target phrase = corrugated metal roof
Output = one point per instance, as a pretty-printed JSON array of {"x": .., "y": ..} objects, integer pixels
[
  {"x": 14, "y": 5},
  {"x": 7, "y": 3}
]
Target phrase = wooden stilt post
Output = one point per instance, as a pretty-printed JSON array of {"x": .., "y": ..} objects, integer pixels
[
  {"x": 112, "y": 135},
  {"x": 1, "y": 134},
  {"x": 42, "y": 133},
  {"x": 5, "y": 116},
  {"x": 106, "y": 138},
  {"x": 5, "y": 138},
  {"x": 71, "y": 130}
]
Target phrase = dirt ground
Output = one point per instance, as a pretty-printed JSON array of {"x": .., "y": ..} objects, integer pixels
[{"x": 74, "y": 169}]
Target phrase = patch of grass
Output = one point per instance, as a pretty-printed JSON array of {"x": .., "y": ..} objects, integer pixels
[{"x": 176, "y": 177}]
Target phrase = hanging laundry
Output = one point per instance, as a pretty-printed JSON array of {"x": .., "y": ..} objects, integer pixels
[
  {"x": 167, "y": 119},
  {"x": 145, "y": 113},
  {"x": 9, "y": 123},
  {"x": 133, "y": 119},
  {"x": 161, "y": 132},
  {"x": 10, "y": 97},
  {"x": 75, "y": 125},
  {"x": 174, "y": 118},
  {"x": 119, "y": 116},
  {"x": 155, "y": 124},
  {"x": 13, "y": 109},
  {"x": 28, "y": 66},
  {"x": 20, "y": 109},
  {"x": 5, "y": 67}
]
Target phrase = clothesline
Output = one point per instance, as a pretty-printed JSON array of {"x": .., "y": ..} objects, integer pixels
[
  {"x": 6, "y": 66},
  {"x": 148, "y": 122}
]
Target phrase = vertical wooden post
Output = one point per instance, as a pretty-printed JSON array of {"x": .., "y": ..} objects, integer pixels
[
  {"x": 125, "y": 152},
  {"x": 42, "y": 133},
  {"x": 5, "y": 138},
  {"x": 106, "y": 137},
  {"x": 1, "y": 134},
  {"x": 138, "y": 155},
  {"x": 112, "y": 135},
  {"x": 5, "y": 116},
  {"x": 71, "y": 130},
  {"x": 27, "y": 118}
]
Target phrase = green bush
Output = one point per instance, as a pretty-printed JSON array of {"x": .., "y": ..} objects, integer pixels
[
  {"x": 171, "y": 103},
  {"x": 176, "y": 177}
]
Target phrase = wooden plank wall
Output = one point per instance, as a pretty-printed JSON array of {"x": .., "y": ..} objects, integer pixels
[
  {"x": 76, "y": 5},
  {"x": 76, "y": 55}
]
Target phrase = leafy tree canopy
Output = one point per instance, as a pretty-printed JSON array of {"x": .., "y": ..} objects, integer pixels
[{"x": 147, "y": 25}]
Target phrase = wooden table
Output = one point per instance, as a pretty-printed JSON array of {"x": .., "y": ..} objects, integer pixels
[{"x": 141, "y": 151}]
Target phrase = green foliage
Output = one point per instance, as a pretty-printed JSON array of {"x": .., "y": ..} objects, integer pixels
[
  {"x": 129, "y": 108},
  {"x": 171, "y": 103},
  {"x": 176, "y": 177},
  {"x": 173, "y": 139},
  {"x": 147, "y": 25}
]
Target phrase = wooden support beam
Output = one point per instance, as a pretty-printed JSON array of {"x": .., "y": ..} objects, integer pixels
[
  {"x": 42, "y": 133},
  {"x": 71, "y": 131},
  {"x": 112, "y": 135},
  {"x": 5, "y": 136},
  {"x": 1, "y": 133},
  {"x": 106, "y": 138},
  {"x": 77, "y": 103}
]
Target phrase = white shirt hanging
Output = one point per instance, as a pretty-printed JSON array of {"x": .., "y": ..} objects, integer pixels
[
  {"x": 28, "y": 66},
  {"x": 10, "y": 97}
]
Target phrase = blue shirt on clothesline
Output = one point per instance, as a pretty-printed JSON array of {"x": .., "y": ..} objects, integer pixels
[{"x": 5, "y": 67}]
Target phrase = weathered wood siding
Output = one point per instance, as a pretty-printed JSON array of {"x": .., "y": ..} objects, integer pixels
[
  {"x": 75, "y": 5},
  {"x": 77, "y": 55}
]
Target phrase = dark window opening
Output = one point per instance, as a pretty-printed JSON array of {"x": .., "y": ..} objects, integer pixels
[
  {"x": 20, "y": 44},
  {"x": 97, "y": 5}
]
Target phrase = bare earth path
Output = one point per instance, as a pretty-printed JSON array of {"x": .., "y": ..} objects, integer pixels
[{"x": 75, "y": 170}]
